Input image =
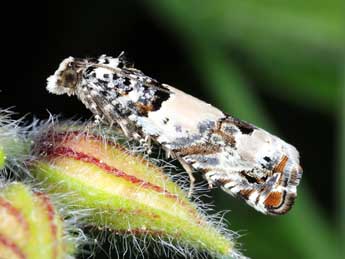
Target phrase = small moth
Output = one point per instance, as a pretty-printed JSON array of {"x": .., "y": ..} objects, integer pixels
[{"x": 242, "y": 159}]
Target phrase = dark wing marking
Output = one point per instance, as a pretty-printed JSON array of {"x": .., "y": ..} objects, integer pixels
[
  {"x": 244, "y": 127},
  {"x": 134, "y": 74}
]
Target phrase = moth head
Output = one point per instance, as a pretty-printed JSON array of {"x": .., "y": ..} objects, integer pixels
[{"x": 66, "y": 78}]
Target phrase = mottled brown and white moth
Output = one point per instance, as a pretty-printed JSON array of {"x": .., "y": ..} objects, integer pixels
[{"x": 244, "y": 160}]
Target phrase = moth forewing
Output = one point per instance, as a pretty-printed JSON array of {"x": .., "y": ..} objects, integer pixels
[{"x": 244, "y": 160}]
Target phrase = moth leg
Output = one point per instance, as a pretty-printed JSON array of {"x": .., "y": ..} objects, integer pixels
[
  {"x": 98, "y": 120},
  {"x": 168, "y": 153},
  {"x": 123, "y": 127},
  {"x": 146, "y": 143},
  {"x": 189, "y": 171},
  {"x": 210, "y": 178}
]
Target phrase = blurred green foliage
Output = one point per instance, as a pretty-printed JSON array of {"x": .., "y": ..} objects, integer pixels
[
  {"x": 341, "y": 185},
  {"x": 299, "y": 46}
]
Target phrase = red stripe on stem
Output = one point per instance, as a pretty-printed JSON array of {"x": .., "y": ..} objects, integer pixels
[
  {"x": 15, "y": 213},
  {"x": 49, "y": 208},
  {"x": 12, "y": 246}
]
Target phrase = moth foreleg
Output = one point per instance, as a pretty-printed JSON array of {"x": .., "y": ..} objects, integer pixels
[
  {"x": 98, "y": 119},
  {"x": 146, "y": 144},
  {"x": 168, "y": 153},
  {"x": 124, "y": 127},
  {"x": 189, "y": 171},
  {"x": 211, "y": 178}
]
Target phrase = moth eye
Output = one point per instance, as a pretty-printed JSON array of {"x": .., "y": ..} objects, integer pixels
[{"x": 70, "y": 78}]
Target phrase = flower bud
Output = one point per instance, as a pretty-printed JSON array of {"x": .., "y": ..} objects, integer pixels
[
  {"x": 127, "y": 195},
  {"x": 30, "y": 227}
]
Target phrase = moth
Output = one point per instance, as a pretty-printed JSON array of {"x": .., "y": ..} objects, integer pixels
[{"x": 244, "y": 160}]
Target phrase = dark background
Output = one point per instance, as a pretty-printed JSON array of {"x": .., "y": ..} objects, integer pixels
[{"x": 256, "y": 69}]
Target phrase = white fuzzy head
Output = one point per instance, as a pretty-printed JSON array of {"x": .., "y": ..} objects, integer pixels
[{"x": 65, "y": 78}]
